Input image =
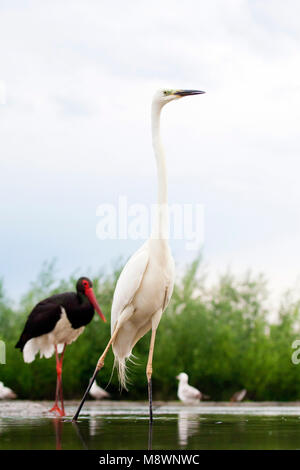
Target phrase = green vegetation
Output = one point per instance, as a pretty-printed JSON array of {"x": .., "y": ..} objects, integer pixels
[{"x": 221, "y": 336}]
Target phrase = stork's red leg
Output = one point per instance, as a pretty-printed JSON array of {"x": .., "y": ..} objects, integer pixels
[
  {"x": 58, "y": 393},
  {"x": 61, "y": 388},
  {"x": 56, "y": 407}
]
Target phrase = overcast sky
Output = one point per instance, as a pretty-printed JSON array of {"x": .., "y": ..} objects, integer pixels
[{"x": 75, "y": 129}]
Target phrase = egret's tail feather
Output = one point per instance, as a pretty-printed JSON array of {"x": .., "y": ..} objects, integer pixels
[
  {"x": 120, "y": 364},
  {"x": 111, "y": 375},
  {"x": 133, "y": 360}
]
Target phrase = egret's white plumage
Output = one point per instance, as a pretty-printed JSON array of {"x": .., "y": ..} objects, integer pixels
[
  {"x": 6, "y": 393},
  {"x": 186, "y": 393},
  {"x": 148, "y": 296},
  {"x": 145, "y": 285},
  {"x": 97, "y": 392}
]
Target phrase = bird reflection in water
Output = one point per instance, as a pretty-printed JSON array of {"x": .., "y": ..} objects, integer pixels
[
  {"x": 187, "y": 426},
  {"x": 58, "y": 426},
  {"x": 94, "y": 426},
  {"x": 78, "y": 432}
]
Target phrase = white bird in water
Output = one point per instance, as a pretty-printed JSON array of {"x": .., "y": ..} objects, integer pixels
[
  {"x": 97, "y": 392},
  {"x": 145, "y": 285},
  {"x": 186, "y": 393},
  {"x": 6, "y": 393}
]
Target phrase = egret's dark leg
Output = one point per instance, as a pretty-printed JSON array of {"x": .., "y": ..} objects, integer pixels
[
  {"x": 99, "y": 366},
  {"x": 155, "y": 322},
  {"x": 126, "y": 314},
  {"x": 92, "y": 379},
  {"x": 150, "y": 399}
]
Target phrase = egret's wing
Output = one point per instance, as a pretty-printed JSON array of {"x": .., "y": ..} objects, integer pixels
[
  {"x": 129, "y": 282},
  {"x": 169, "y": 291}
]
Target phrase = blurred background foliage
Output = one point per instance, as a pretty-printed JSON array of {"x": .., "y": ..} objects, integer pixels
[{"x": 224, "y": 337}]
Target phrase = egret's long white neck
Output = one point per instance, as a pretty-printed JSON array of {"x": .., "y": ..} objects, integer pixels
[{"x": 161, "y": 225}]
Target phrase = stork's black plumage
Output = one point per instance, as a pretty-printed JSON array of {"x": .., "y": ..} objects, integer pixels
[
  {"x": 55, "y": 322},
  {"x": 47, "y": 313}
]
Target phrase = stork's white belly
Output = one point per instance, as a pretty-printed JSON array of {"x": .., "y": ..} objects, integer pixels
[{"x": 63, "y": 333}]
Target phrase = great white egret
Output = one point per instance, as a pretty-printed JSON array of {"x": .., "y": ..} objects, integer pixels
[
  {"x": 56, "y": 322},
  {"x": 145, "y": 285}
]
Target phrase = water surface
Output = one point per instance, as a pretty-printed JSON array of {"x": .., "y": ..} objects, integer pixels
[{"x": 124, "y": 425}]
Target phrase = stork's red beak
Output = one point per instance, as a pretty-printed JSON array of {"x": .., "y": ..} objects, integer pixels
[{"x": 92, "y": 298}]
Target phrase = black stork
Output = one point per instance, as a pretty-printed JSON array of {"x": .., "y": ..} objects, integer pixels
[{"x": 56, "y": 322}]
